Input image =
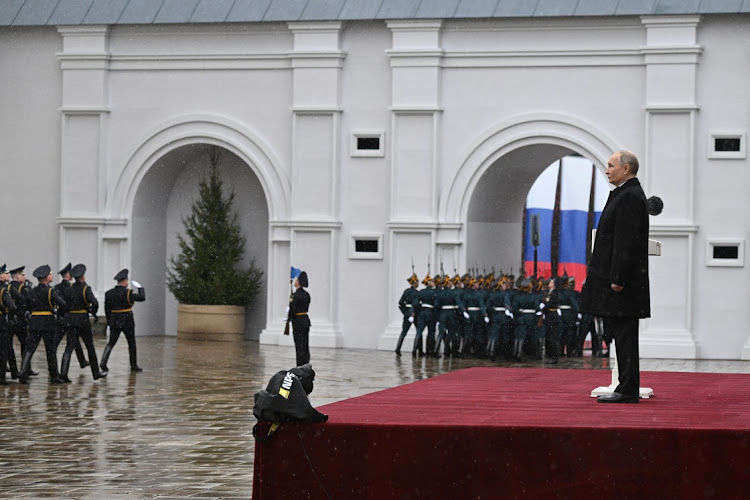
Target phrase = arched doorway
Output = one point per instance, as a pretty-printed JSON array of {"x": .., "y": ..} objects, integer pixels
[{"x": 163, "y": 197}]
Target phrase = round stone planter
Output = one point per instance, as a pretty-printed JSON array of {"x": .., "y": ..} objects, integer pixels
[{"x": 218, "y": 323}]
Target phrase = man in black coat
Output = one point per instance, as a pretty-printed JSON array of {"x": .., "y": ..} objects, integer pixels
[
  {"x": 617, "y": 285},
  {"x": 118, "y": 307}
]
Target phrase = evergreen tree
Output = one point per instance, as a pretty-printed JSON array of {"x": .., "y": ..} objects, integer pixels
[{"x": 209, "y": 269}]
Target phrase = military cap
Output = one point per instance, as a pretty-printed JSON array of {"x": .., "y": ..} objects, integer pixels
[
  {"x": 65, "y": 270},
  {"x": 3, "y": 269},
  {"x": 303, "y": 279},
  {"x": 571, "y": 282},
  {"x": 17, "y": 270},
  {"x": 413, "y": 279},
  {"x": 455, "y": 279},
  {"x": 77, "y": 271},
  {"x": 41, "y": 271},
  {"x": 122, "y": 275},
  {"x": 465, "y": 278},
  {"x": 524, "y": 284},
  {"x": 427, "y": 279}
]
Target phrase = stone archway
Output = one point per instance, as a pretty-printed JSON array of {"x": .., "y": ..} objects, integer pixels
[{"x": 156, "y": 188}]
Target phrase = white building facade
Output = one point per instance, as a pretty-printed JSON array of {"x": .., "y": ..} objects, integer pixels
[{"x": 357, "y": 146}]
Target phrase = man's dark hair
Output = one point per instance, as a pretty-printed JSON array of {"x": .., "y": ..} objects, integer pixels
[{"x": 628, "y": 158}]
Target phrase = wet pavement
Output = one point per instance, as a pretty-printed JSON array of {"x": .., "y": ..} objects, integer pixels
[{"x": 182, "y": 428}]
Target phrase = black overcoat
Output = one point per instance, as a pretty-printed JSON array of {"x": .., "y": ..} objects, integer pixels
[{"x": 620, "y": 256}]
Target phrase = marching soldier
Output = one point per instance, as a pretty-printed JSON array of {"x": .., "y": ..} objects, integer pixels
[
  {"x": 7, "y": 308},
  {"x": 405, "y": 306},
  {"x": 569, "y": 308},
  {"x": 551, "y": 312},
  {"x": 118, "y": 307},
  {"x": 425, "y": 315},
  {"x": 81, "y": 302},
  {"x": 19, "y": 323},
  {"x": 447, "y": 302},
  {"x": 41, "y": 303},
  {"x": 61, "y": 289}
]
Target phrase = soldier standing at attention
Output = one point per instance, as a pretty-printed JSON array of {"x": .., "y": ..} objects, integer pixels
[
  {"x": 18, "y": 323},
  {"x": 298, "y": 309},
  {"x": 447, "y": 319},
  {"x": 524, "y": 305},
  {"x": 7, "y": 307},
  {"x": 475, "y": 312},
  {"x": 405, "y": 306},
  {"x": 423, "y": 310},
  {"x": 502, "y": 318},
  {"x": 118, "y": 307},
  {"x": 41, "y": 303},
  {"x": 81, "y": 301},
  {"x": 61, "y": 288}
]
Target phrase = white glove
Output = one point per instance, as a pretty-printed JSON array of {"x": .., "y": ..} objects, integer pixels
[
  {"x": 437, "y": 325},
  {"x": 508, "y": 313},
  {"x": 486, "y": 319},
  {"x": 411, "y": 319},
  {"x": 541, "y": 306},
  {"x": 579, "y": 316},
  {"x": 287, "y": 309},
  {"x": 466, "y": 315},
  {"x": 135, "y": 284},
  {"x": 511, "y": 316},
  {"x": 539, "y": 313},
  {"x": 559, "y": 312}
]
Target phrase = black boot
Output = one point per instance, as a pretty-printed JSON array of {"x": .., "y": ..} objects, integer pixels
[
  {"x": 134, "y": 360},
  {"x": 64, "y": 367},
  {"x": 400, "y": 343},
  {"x": 105, "y": 357},
  {"x": 23, "y": 375}
]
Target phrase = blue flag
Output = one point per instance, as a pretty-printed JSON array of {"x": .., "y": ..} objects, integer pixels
[{"x": 294, "y": 273}]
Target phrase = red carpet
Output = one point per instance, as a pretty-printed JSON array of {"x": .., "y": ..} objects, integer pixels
[{"x": 519, "y": 433}]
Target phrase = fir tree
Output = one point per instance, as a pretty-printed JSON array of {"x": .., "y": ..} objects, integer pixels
[{"x": 209, "y": 269}]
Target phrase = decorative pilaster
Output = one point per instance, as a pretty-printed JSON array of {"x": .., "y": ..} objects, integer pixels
[
  {"x": 317, "y": 60},
  {"x": 671, "y": 56},
  {"x": 415, "y": 88},
  {"x": 85, "y": 66}
]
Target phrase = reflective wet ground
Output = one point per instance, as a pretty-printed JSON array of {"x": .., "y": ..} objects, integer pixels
[{"x": 182, "y": 428}]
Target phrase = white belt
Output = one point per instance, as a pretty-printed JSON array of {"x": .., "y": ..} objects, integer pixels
[
  {"x": 564, "y": 307},
  {"x": 428, "y": 306},
  {"x": 499, "y": 309},
  {"x": 473, "y": 309},
  {"x": 449, "y": 307},
  {"x": 528, "y": 311},
  {"x": 408, "y": 305}
]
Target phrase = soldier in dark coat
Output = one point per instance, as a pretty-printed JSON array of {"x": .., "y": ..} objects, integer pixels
[
  {"x": 61, "y": 334},
  {"x": 18, "y": 322},
  {"x": 405, "y": 306},
  {"x": 7, "y": 308},
  {"x": 298, "y": 309},
  {"x": 41, "y": 304},
  {"x": 617, "y": 284},
  {"x": 118, "y": 307},
  {"x": 501, "y": 324},
  {"x": 81, "y": 302},
  {"x": 425, "y": 315}
]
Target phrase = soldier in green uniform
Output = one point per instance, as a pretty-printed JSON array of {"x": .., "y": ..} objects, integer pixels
[
  {"x": 447, "y": 302},
  {"x": 525, "y": 305},
  {"x": 474, "y": 311},
  {"x": 569, "y": 329},
  {"x": 41, "y": 303},
  {"x": 550, "y": 307},
  {"x": 501, "y": 321},
  {"x": 405, "y": 306},
  {"x": 425, "y": 315}
]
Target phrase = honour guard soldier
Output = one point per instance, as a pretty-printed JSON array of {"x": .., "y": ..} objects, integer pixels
[
  {"x": 524, "y": 305},
  {"x": 448, "y": 319},
  {"x": 475, "y": 313},
  {"x": 298, "y": 309},
  {"x": 81, "y": 302},
  {"x": 118, "y": 307},
  {"x": 41, "y": 303},
  {"x": 61, "y": 288},
  {"x": 18, "y": 322},
  {"x": 550, "y": 307},
  {"x": 502, "y": 318},
  {"x": 569, "y": 309},
  {"x": 405, "y": 306},
  {"x": 423, "y": 307},
  {"x": 7, "y": 308}
]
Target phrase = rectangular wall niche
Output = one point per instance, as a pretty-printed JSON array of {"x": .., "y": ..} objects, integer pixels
[
  {"x": 725, "y": 253},
  {"x": 368, "y": 143},
  {"x": 366, "y": 246},
  {"x": 727, "y": 145}
]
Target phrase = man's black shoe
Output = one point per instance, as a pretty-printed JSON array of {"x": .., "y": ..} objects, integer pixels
[
  {"x": 32, "y": 373},
  {"x": 616, "y": 397},
  {"x": 85, "y": 364},
  {"x": 4, "y": 382},
  {"x": 136, "y": 369}
]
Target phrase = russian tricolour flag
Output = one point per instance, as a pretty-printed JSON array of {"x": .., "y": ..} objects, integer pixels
[{"x": 567, "y": 198}]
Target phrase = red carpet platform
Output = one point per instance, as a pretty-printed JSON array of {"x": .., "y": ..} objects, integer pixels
[{"x": 518, "y": 433}]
